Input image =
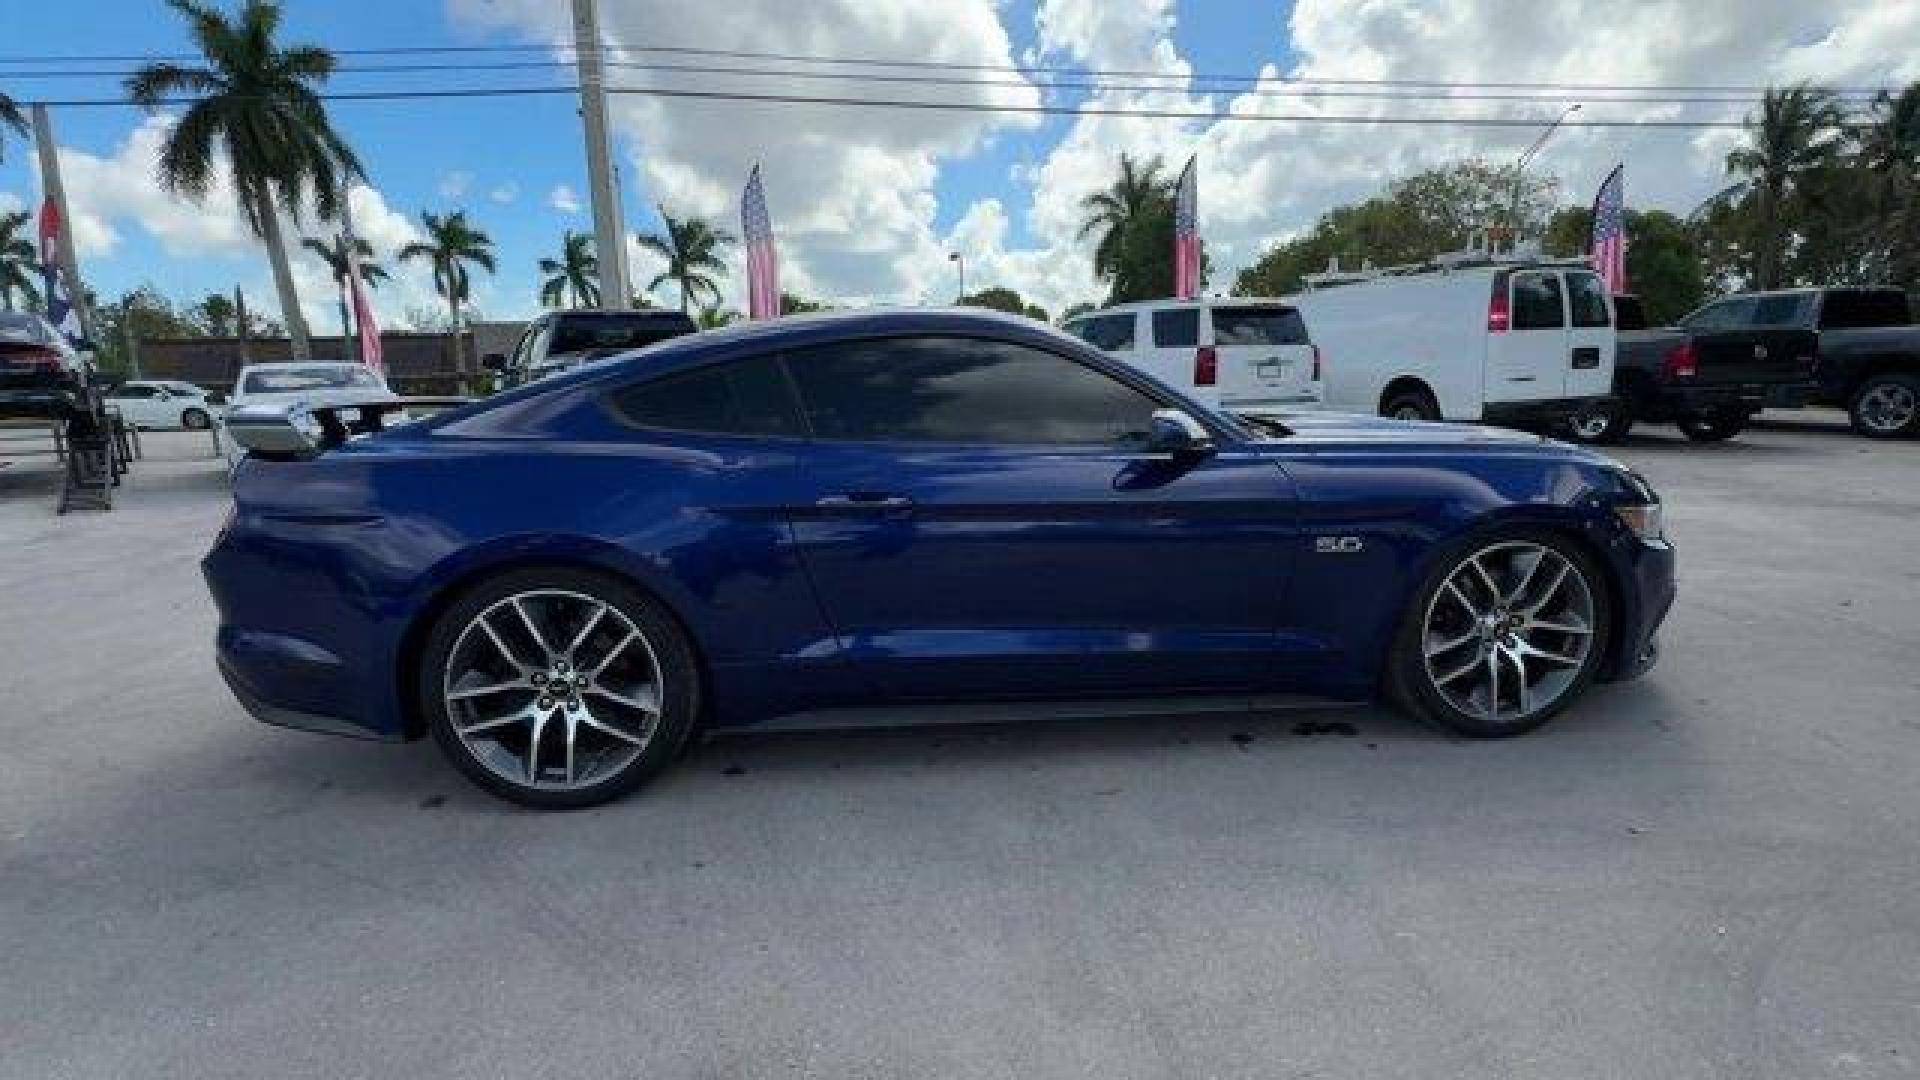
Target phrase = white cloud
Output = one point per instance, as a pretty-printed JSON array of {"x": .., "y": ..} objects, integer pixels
[
  {"x": 564, "y": 199},
  {"x": 504, "y": 193},
  {"x": 455, "y": 184}
]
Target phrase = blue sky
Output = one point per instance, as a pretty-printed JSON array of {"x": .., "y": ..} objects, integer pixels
[{"x": 868, "y": 202}]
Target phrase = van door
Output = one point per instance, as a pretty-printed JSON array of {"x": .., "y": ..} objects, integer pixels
[
  {"x": 1529, "y": 361},
  {"x": 1591, "y": 338},
  {"x": 1171, "y": 353},
  {"x": 1262, "y": 356}
]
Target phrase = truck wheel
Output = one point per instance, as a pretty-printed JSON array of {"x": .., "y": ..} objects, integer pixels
[
  {"x": 1886, "y": 406},
  {"x": 1603, "y": 422},
  {"x": 1411, "y": 404}
]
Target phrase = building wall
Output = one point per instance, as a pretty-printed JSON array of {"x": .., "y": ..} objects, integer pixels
[{"x": 416, "y": 363}]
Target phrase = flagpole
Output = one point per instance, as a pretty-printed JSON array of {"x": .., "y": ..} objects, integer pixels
[
  {"x": 349, "y": 327},
  {"x": 55, "y": 190}
]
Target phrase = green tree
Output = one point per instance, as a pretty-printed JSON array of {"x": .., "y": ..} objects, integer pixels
[
  {"x": 715, "y": 317},
  {"x": 452, "y": 244},
  {"x": 215, "y": 315},
  {"x": 256, "y": 101},
  {"x": 1889, "y": 156},
  {"x": 342, "y": 259},
  {"x": 1133, "y": 222},
  {"x": 19, "y": 263},
  {"x": 573, "y": 277},
  {"x": 1796, "y": 133},
  {"x": 138, "y": 315},
  {"x": 10, "y": 117},
  {"x": 1007, "y": 300},
  {"x": 800, "y": 305},
  {"x": 1664, "y": 267},
  {"x": 691, "y": 247}
]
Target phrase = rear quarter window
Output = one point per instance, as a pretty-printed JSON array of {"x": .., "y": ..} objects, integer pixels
[{"x": 748, "y": 397}]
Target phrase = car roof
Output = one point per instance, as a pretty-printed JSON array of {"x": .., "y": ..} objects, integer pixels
[{"x": 1169, "y": 305}]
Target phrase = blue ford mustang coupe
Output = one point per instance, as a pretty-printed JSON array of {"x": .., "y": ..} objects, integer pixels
[{"x": 886, "y": 514}]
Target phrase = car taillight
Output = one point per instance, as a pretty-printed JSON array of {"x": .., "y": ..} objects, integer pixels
[
  {"x": 1681, "y": 362},
  {"x": 1206, "y": 366},
  {"x": 1499, "y": 315},
  {"x": 1316, "y": 363}
]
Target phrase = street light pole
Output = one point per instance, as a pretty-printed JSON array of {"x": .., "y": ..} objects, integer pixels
[
  {"x": 961, "y": 261},
  {"x": 609, "y": 234},
  {"x": 1520, "y": 166}
]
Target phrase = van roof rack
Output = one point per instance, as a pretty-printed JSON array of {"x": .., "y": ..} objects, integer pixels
[{"x": 1482, "y": 251}]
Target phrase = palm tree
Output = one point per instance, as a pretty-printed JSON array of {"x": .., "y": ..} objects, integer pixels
[
  {"x": 1139, "y": 195},
  {"x": 691, "y": 248},
  {"x": 255, "y": 101},
  {"x": 573, "y": 274},
  {"x": 1889, "y": 151},
  {"x": 10, "y": 117},
  {"x": 17, "y": 260},
  {"x": 342, "y": 260},
  {"x": 1797, "y": 133},
  {"x": 451, "y": 244}
]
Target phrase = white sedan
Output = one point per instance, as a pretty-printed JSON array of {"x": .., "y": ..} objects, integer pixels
[
  {"x": 296, "y": 384},
  {"x": 161, "y": 404}
]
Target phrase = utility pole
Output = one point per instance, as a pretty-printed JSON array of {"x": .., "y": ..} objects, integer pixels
[
  {"x": 960, "y": 261},
  {"x": 609, "y": 234},
  {"x": 57, "y": 192},
  {"x": 240, "y": 324}
]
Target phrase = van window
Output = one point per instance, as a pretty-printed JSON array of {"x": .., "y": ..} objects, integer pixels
[
  {"x": 1264, "y": 326},
  {"x": 1110, "y": 333},
  {"x": 1588, "y": 298},
  {"x": 1176, "y": 329},
  {"x": 1536, "y": 302},
  {"x": 1865, "y": 307}
]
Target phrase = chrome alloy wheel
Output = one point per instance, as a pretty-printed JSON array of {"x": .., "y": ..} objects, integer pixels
[
  {"x": 553, "y": 690},
  {"x": 1888, "y": 407},
  {"x": 1590, "y": 424},
  {"x": 1507, "y": 633}
]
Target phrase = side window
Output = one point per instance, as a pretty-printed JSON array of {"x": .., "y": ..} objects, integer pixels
[
  {"x": 1259, "y": 326},
  {"x": 1109, "y": 333},
  {"x": 1176, "y": 329},
  {"x": 1536, "y": 302},
  {"x": 963, "y": 390},
  {"x": 1723, "y": 315},
  {"x": 1782, "y": 309},
  {"x": 135, "y": 390},
  {"x": 1588, "y": 299},
  {"x": 533, "y": 345},
  {"x": 739, "y": 397}
]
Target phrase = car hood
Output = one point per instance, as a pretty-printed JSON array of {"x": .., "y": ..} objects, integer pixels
[{"x": 1322, "y": 427}]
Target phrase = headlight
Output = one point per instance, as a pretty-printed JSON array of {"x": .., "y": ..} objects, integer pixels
[{"x": 1644, "y": 519}]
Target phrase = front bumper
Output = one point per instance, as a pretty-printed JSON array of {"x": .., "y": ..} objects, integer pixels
[{"x": 1647, "y": 574}]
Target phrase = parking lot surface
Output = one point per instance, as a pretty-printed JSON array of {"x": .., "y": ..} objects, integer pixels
[{"x": 1714, "y": 872}]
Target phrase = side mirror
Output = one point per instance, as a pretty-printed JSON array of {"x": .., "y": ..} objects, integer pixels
[
  {"x": 1175, "y": 433},
  {"x": 494, "y": 362}
]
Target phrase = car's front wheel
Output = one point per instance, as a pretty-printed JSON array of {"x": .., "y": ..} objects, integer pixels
[
  {"x": 558, "y": 688},
  {"x": 1502, "y": 636}
]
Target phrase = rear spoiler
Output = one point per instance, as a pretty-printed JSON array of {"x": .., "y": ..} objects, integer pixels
[{"x": 295, "y": 432}]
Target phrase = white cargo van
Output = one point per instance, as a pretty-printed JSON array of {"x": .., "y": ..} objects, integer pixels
[
  {"x": 1236, "y": 354},
  {"x": 1521, "y": 342}
]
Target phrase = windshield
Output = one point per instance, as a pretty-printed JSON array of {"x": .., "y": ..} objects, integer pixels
[
  {"x": 579, "y": 333},
  {"x": 292, "y": 379}
]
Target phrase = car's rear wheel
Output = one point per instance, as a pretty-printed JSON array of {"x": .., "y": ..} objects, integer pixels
[
  {"x": 195, "y": 420},
  {"x": 558, "y": 688},
  {"x": 1711, "y": 428},
  {"x": 1502, "y": 636},
  {"x": 1603, "y": 422},
  {"x": 1886, "y": 407},
  {"x": 1411, "y": 403}
]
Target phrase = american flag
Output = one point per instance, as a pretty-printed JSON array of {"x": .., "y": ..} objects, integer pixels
[
  {"x": 59, "y": 303},
  {"x": 763, "y": 264},
  {"x": 1186, "y": 236},
  {"x": 1607, "y": 250},
  {"x": 365, "y": 322}
]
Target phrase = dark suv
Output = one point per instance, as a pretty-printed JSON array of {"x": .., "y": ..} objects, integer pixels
[{"x": 561, "y": 340}]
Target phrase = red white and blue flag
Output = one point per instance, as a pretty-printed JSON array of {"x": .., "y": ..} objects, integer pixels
[
  {"x": 763, "y": 262},
  {"x": 1607, "y": 248},
  {"x": 366, "y": 323},
  {"x": 1186, "y": 236},
  {"x": 60, "y": 310}
]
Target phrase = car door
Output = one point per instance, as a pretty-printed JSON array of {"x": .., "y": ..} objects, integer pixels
[
  {"x": 1529, "y": 361},
  {"x": 1591, "y": 338},
  {"x": 980, "y": 521},
  {"x": 136, "y": 402}
]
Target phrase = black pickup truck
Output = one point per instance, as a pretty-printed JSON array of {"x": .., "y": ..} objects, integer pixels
[{"x": 1707, "y": 375}]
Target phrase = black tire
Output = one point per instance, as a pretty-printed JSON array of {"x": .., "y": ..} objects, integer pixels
[
  {"x": 1604, "y": 423},
  {"x": 1413, "y": 403},
  {"x": 678, "y": 689},
  {"x": 1711, "y": 428},
  {"x": 195, "y": 420},
  {"x": 1886, "y": 406},
  {"x": 1412, "y": 688}
]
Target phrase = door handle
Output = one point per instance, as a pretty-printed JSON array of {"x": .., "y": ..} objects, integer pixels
[
  {"x": 865, "y": 500},
  {"x": 1586, "y": 357}
]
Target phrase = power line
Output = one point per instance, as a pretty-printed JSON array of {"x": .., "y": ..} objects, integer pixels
[{"x": 1028, "y": 69}]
